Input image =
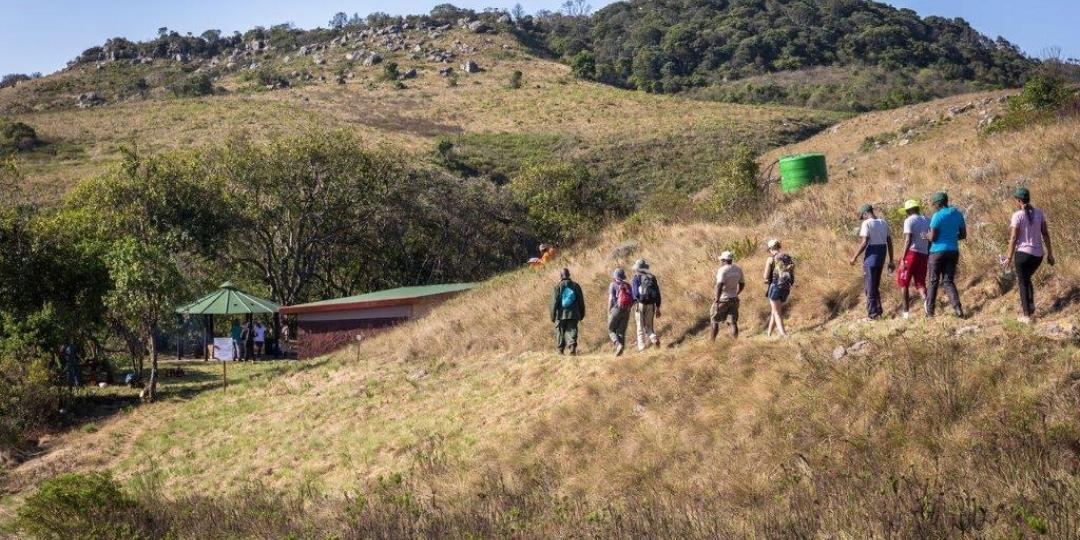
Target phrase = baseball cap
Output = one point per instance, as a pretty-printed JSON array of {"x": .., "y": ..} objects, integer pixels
[
  {"x": 1023, "y": 194},
  {"x": 866, "y": 208},
  {"x": 940, "y": 197}
]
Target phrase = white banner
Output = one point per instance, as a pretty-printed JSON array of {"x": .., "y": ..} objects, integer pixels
[{"x": 223, "y": 349}]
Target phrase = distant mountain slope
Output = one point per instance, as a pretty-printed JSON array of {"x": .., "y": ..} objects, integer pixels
[
  {"x": 491, "y": 127},
  {"x": 893, "y": 57}
]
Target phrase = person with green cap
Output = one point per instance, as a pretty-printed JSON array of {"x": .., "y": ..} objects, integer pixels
[
  {"x": 916, "y": 254},
  {"x": 947, "y": 229},
  {"x": 1029, "y": 242},
  {"x": 567, "y": 309},
  {"x": 876, "y": 244}
]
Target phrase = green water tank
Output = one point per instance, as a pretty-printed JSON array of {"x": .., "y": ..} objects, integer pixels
[{"x": 799, "y": 171}]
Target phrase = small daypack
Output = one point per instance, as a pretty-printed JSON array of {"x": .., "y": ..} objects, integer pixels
[
  {"x": 569, "y": 297},
  {"x": 648, "y": 289},
  {"x": 784, "y": 269},
  {"x": 624, "y": 297}
]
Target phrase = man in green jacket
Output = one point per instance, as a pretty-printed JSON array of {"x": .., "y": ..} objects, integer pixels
[{"x": 567, "y": 308}]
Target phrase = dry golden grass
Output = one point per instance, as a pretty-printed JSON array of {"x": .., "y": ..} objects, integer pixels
[{"x": 782, "y": 437}]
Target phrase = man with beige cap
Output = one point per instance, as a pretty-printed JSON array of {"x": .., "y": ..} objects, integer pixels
[{"x": 729, "y": 284}]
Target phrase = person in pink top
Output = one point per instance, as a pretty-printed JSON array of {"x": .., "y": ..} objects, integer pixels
[{"x": 1029, "y": 245}]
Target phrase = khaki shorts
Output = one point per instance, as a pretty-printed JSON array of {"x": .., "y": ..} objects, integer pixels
[{"x": 725, "y": 311}]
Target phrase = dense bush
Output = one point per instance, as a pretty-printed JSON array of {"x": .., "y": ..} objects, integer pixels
[
  {"x": 1043, "y": 97},
  {"x": 195, "y": 85},
  {"x": 735, "y": 191},
  {"x": 564, "y": 202},
  {"x": 660, "y": 46},
  {"x": 82, "y": 506},
  {"x": 17, "y": 137}
]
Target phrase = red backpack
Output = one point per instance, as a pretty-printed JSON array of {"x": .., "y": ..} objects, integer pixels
[{"x": 624, "y": 298}]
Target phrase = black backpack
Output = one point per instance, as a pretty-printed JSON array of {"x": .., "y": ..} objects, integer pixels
[{"x": 649, "y": 289}]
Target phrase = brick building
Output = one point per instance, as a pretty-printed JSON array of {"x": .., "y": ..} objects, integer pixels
[{"x": 331, "y": 324}]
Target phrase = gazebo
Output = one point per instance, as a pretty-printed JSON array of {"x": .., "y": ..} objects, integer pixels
[{"x": 227, "y": 300}]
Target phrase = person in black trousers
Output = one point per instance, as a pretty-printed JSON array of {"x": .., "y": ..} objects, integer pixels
[{"x": 1029, "y": 243}]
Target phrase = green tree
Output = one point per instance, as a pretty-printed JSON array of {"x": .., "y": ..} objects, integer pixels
[
  {"x": 563, "y": 201},
  {"x": 146, "y": 285}
]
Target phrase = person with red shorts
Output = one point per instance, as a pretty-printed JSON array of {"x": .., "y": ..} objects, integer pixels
[{"x": 916, "y": 253}]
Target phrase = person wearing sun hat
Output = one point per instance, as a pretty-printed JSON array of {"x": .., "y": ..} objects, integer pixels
[
  {"x": 779, "y": 279},
  {"x": 730, "y": 282},
  {"x": 916, "y": 253},
  {"x": 876, "y": 244},
  {"x": 947, "y": 229},
  {"x": 1029, "y": 242}
]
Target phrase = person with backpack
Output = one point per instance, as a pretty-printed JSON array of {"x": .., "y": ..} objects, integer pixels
[
  {"x": 779, "y": 278},
  {"x": 876, "y": 244},
  {"x": 620, "y": 302},
  {"x": 646, "y": 292},
  {"x": 567, "y": 309},
  {"x": 1029, "y": 242},
  {"x": 947, "y": 229},
  {"x": 916, "y": 254},
  {"x": 729, "y": 284}
]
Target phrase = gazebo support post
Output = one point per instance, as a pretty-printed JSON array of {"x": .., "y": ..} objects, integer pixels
[
  {"x": 206, "y": 337},
  {"x": 179, "y": 337}
]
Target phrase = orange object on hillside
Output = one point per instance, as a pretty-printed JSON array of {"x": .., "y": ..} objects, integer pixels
[{"x": 546, "y": 254}]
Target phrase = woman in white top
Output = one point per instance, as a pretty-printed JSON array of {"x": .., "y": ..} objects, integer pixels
[{"x": 1026, "y": 248}]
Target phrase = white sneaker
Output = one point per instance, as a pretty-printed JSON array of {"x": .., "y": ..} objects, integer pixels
[
  {"x": 1024, "y": 320},
  {"x": 905, "y": 315}
]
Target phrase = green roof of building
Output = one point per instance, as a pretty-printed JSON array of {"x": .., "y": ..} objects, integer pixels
[{"x": 391, "y": 295}]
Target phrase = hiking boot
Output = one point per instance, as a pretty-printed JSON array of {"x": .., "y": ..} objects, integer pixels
[
  {"x": 561, "y": 351},
  {"x": 959, "y": 313},
  {"x": 573, "y": 350},
  {"x": 619, "y": 349}
]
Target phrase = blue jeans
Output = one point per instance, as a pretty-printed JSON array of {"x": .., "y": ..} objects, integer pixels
[{"x": 872, "y": 282}]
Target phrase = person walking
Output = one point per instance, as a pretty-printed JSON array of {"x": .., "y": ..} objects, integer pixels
[
  {"x": 620, "y": 302},
  {"x": 779, "y": 279},
  {"x": 236, "y": 332},
  {"x": 876, "y": 244},
  {"x": 646, "y": 290},
  {"x": 1029, "y": 242},
  {"x": 916, "y": 254},
  {"x": 730, "y": 282},
  {"x": 567, "y": 309},
  {"x": 260, "y": 339},
  {"x": 249, "y": 340},
  {"x": 947, "y": 229}
]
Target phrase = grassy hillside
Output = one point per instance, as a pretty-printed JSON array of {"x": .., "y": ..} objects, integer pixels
[
  {"x": 920, "y": 428},
  {"x": 490, "y": 125}
]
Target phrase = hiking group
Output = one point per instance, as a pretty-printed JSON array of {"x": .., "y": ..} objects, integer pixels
[
  {"x": 931, "y": 253},
  {"x": 930, "y": 256}
]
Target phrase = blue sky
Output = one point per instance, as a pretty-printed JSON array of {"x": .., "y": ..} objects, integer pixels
[{"x": 42, "y": 35}]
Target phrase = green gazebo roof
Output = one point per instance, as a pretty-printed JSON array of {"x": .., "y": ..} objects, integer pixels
[{"x": 228, "y": 300}]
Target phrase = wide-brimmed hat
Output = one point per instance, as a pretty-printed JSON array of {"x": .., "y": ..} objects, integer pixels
[
  {"x": 912, "y": 204},
  {"x": 727, "y": 256},
  {"x": 772, "y": 244}
]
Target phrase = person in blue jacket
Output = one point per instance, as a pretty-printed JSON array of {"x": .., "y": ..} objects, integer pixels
[{"x": 947, "y": 229}]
